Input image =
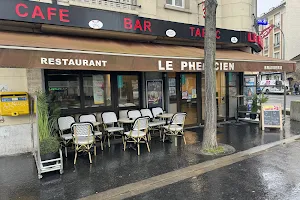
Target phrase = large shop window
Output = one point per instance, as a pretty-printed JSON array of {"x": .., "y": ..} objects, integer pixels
[
  {"x": 64, "y": 90},
  {"x": 97, "y": 90},
  {"x": 128, "y": 90}
]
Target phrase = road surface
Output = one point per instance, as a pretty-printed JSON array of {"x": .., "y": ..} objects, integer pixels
[{"x": 279, "y": 99}]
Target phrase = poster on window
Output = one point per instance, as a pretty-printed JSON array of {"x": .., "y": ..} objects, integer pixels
[
  {"x": 249, "y": 80},
  {"x": 98, "y": 89},
  {"x": 155, "y": 93}
]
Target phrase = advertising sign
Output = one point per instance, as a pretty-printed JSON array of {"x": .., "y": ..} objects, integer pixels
[
  {"x": 98, "y": 89},
  {"x": 263, "y": 22},
  {"x": 155, "y": 93},
  {"x": 264, "y": 33},
  {"x": 271, "y": 116}
]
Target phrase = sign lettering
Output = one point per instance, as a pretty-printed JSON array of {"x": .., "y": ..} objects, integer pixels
[{"x": 73, "y": 62}]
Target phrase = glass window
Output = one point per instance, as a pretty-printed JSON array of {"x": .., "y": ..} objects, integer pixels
[
  {"x": 64, "y": 90},
  {"x": 97, "y": 90},
  {"x": 277, "y": 20},
  {"x": 266, "y": 42},
  {"x": 128, "y": 90},
  {"x": 172, "y": 87},
  {"x": 178, "y": 3},
  {"x": 277, "y": 39},
  {"x": 277, "y": 55}
]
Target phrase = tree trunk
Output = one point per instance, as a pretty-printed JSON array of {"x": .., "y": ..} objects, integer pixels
[{"x": 210, "y": 127}]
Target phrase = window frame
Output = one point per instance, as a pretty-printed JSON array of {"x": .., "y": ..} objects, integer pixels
[
  {"x": 277, "y": 53},
  {"x": 279, "y": 39},
  {"x": 82, "y": 109},
  {"x": 277, "y": 24},
  {"x": 140, "y": 90},
  {"x": 174, "y": 3}
]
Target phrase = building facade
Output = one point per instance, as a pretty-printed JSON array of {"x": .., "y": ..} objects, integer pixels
[
  {"x": 97, "y": 56},
  {"x": 282, "y": 40}
]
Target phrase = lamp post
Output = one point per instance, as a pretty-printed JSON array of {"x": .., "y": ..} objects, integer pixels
[
  {"x": 284, "y": 74},
  {"x": 264, "y": 22}
]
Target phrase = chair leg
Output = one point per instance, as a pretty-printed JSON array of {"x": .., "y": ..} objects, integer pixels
[
  {"x": 148, "y": 146},
  {"x": 95, "y": 150},
  {"x": 101, "y": 143},
  {"x": 66, "y": 150},
  {"x": 160, "y": 132},
  {"x": 124, "y": 144},
  {"x": 108, "y": 141},
  {"x": 90, "y": 157},
  {"x": 164, "y": 135},
  {"x": 175, "y": 140},
  {"x": 75, "y": 157},
  {"x": 184, "y": 139},
  {"x": 138, "y": 147}
]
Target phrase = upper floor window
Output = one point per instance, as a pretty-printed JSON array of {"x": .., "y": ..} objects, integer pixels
[
  {"x": 266, "y": 43},
  {"x": 177, "y": 3},
  {"x": 277, "y": 20},
  {"x": 276, "y": 39},
  {"x": 277, "y": 55}
]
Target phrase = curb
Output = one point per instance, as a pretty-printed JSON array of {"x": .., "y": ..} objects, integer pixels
[{"x": 159, "y": 181}]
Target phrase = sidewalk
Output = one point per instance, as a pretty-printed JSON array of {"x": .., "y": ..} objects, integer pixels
[
  {"x": 272, "y": 175},
  {"x": 113, "y": 167}
]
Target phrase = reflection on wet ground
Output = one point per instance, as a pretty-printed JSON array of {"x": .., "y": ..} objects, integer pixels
[
  {"x": 113, "y": 167},
  {"x": 273, "y": 175}
]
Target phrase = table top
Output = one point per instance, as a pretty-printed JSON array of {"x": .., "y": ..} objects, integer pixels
[
  {"x": 165, "y": 115},
  {"x": 126, "y": 121}
]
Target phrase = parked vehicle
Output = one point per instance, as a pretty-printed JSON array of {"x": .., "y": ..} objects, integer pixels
[{"x": 273, "y": 86}]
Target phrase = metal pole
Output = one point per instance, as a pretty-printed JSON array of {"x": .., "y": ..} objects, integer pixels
[{"x": 284, "y": 75}]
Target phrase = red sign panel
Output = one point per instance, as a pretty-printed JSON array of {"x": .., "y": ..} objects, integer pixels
[{"x": 264, "y": 33}]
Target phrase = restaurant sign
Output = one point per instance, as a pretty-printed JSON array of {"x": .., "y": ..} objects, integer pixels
[
  {"x": 193, "y": 66},
  {"x": 97, "y": 19},
  {"x": 117, "y": 62}
]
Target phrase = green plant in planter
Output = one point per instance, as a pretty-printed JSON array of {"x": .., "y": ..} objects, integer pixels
[
  {"x": 257, "y": 100},
  {"x": 46, "y": 125}
]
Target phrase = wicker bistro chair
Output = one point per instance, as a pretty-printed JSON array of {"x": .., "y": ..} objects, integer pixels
[
  {"x": 64, "y": 126},
  {"x": 134, "y": 114},
  {"x": 175, "y": 128},
  {"x": 92, "y": 119},
  {"x": 83, "y": 138},
  {"x": 153, "y": 124},
  {"x": 110, "y": 120},
  {"x": 156, "y": 111},
  {"x": 138, "y": 133}
]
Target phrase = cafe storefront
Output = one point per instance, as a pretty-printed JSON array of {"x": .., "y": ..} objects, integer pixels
[
  {"x": 91, "y": 64},
  {"x": 86, "y": 80}
]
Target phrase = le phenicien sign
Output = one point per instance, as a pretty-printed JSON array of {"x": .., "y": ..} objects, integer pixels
[{"x": 194, "y": 66}]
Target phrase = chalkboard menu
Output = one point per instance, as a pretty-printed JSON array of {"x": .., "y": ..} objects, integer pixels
[{"x": 271, "y": 116}]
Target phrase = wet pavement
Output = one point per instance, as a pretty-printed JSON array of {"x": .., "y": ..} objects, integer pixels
[
  {"x": 113, "y": 167},
  {"x": 273, "y": 175}
]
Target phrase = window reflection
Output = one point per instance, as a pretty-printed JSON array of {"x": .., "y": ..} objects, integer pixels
[
  {"x": 97, "y": 90},
  {"x": 64, "y": 90},
  {"x": 128, "y": 90}
]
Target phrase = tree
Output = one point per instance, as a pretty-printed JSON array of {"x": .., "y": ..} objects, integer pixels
[{"x": 210, "y": 128}]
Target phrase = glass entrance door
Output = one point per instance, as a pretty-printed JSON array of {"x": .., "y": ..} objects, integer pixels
[{"x": 189, "y": 97}]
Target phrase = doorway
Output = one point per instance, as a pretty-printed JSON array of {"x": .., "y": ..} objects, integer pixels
[{"x": 189, "y": 101}]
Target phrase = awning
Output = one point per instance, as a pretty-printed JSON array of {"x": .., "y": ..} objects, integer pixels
[{"x": 58, "y": 52}]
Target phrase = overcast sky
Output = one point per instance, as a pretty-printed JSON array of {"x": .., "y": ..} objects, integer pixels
[{"x": 265, "y": 5}]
